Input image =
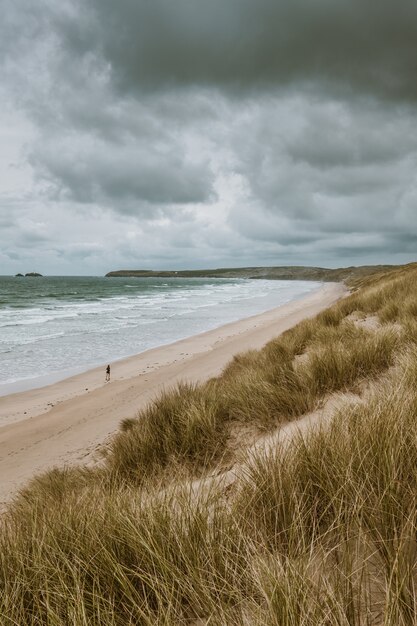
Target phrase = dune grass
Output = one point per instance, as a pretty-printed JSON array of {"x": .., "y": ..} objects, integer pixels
[{"x": 319, "y": 532}]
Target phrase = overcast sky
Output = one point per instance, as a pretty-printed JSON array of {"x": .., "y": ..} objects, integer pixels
[{"x": 207, "y": 133}]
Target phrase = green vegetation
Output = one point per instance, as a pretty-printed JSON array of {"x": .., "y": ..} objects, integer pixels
[
  {"x": 290, "y": 272},
  {"x": 183, "y": 526}
]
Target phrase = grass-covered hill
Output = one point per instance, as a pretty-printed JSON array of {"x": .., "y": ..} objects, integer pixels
[
  {"x": 273, "y": 273},
  {"x": 212, "y": 509}
]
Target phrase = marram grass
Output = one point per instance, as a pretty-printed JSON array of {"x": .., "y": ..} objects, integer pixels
[{"x": 319, "y": 532}]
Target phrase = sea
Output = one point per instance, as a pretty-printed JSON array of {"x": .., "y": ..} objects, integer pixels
[{"x": 54, "y": 327}]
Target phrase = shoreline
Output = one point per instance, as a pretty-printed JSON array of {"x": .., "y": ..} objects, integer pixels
[
  {"x": 68, "y": 422},
  {"x": 44, "y": 380}
]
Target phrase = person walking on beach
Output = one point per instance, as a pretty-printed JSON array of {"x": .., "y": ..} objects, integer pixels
[{"x": 107, "y": 373}]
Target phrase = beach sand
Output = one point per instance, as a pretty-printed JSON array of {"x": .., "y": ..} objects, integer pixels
[{"x": 70, "y": 421}]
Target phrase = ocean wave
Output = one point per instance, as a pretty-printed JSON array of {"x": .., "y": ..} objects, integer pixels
[
  {"x": 80, "y": 328},
  {"x": 31, "y": 321}
]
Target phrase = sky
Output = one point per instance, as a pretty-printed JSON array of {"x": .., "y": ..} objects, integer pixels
[{"x": 200, "y": 134}]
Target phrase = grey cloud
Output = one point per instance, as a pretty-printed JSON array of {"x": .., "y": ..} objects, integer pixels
[
  {"x": 366, "y": 46},
  {"x": 334, "y": 134},
  {"x": 98, "y": 173},
  {"x": 129, "y": 159},
  {"x": 323, "y": 168}
]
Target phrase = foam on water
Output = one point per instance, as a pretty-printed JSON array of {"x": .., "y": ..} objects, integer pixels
[{"x": 50, "y": 326}]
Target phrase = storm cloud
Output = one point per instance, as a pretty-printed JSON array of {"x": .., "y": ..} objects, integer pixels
[
  {"x": 367, "y": 46},
  {"x": 192, "y": 134}
]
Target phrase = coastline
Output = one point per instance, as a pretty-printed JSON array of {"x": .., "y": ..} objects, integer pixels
[
  {"x": 154, "y": 333},
  {"x": 68, "y": 422}
]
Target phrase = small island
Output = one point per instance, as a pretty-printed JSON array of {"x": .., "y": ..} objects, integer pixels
[
  {"x": 33, "y": 274},
  {"x": 19, "y": 275}
]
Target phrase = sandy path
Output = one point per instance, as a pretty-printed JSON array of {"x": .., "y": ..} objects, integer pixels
[
  {"x": 66, "y": 422},
  {"x": 280, "y": 438}
]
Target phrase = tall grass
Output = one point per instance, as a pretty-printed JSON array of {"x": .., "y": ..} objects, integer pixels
[
  {"x": 347, "y": 497},
  {"x": 319, "y": 532},
  {"x": 182, "y": 425}
]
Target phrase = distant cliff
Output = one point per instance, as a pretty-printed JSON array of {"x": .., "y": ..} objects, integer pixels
[{"x": 275, "y": 273}]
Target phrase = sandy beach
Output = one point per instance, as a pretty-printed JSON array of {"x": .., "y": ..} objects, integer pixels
[{"x": 68, "y": 422}]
